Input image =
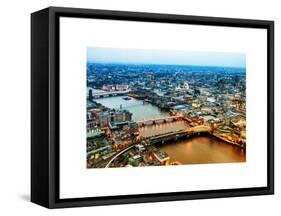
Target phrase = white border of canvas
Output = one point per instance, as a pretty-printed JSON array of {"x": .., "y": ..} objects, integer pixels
[{"x": 76, "y": 34}]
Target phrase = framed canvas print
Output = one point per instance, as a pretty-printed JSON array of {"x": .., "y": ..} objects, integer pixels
[{"x": 132, "y": 107}]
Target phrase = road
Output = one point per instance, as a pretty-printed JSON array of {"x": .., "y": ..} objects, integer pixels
[{"x": 120, "y": 153}]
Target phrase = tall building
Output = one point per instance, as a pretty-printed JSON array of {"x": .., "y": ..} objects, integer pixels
[{"x": 90, "y": 94}]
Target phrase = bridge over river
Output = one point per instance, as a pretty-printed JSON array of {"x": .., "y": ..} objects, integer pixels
[
  {"x": 162, "y": 119},
  {"x": 162, "y": 138},
  {"x": 103, "y": 94}
]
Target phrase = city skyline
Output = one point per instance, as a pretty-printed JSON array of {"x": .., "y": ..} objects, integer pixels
[
  {"x": 160, "y": 115},
  {"x": 164, "y": 57}
]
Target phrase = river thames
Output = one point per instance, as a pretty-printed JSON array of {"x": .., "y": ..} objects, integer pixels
[
  {"x": 201, "y": 149},
  {"x": 140, "y": 110}
]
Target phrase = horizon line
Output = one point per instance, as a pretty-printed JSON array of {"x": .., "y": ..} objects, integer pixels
[{"x": 131, "y": 63}]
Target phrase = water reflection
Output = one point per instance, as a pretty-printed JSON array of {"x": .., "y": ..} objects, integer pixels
[
  {"x": 203, "y": 149},
  {"x": 157, "y": 129}
]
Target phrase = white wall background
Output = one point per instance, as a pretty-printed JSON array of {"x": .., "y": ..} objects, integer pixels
[{"x": 15, "y": 106}]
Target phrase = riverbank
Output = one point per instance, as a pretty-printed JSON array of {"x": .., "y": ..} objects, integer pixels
[{"x": 228, "y": 141}]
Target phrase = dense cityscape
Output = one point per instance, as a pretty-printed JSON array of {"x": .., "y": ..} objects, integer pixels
[{"x": 134, "y": 111}]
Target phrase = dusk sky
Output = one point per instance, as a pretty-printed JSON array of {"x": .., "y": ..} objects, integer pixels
[{"x": 174, "y": 57}]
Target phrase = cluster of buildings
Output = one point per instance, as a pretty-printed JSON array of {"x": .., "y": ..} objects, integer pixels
[
  {"x": 108, "y": 130},
  {"x": 117, "y": 87},
  {"x": 142, "y": 155},
  {"x": 102, "y": 118}
]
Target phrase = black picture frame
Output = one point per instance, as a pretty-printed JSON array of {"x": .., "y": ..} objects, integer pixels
[{"x": 45, "y": 106}]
